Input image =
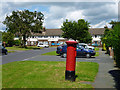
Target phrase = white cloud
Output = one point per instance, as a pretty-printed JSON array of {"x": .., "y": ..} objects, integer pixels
[
  {"x": 58, "y": 1},
  {"x": 98, "y": 14},
  {"x": 75, "y": 15},
  {"x": 55, "y": 23},
  {"x": 101, "y": 25}
]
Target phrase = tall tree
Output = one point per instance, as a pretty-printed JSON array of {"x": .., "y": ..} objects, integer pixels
[
  {"x": 23, "y": 23},
  {"x": 76, "y": 30},
  {"x": 8, "y": 38}
]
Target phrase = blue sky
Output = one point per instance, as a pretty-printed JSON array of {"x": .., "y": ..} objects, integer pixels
[{"x": 98, "y": 14}]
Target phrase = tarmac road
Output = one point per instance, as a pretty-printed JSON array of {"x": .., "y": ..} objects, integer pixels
[{"x": 23, "y": 55}]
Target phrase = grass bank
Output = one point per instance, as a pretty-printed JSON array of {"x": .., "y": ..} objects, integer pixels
[
  {"x": 46, "y": 74},
  {"x": 11, "y": 51},
  {"x": 50, "y": 53},
  {"x": 22, "y": 49}
]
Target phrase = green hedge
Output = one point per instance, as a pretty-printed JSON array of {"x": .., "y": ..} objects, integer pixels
[{"x": 112, "y": 39}]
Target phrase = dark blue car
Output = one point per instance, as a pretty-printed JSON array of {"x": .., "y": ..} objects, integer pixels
[
  {"x": 81, "y": 51},
  {"x": 59, "y": 49}
]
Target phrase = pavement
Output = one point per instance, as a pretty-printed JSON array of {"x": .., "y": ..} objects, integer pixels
[
  {"x": 108, "y": 76},
  {"x": 104, "y": 78}
]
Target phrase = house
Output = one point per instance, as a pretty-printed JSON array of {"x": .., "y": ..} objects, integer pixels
[
  {"x": 54, "y": 37},
  {"x": 96, "y": 34},
  {"x": 48, "y": 36}
]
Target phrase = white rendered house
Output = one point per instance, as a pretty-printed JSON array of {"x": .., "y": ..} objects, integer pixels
[{"x": 54, "y": 37}]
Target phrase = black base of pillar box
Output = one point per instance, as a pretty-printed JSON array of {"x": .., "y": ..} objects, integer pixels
[{"x": 70, "y": 75}]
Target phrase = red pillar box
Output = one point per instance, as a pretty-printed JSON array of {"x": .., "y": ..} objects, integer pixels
[{"x": 70, "y": 60}]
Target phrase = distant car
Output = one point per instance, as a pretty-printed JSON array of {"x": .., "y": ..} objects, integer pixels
[
  {"x": 86, "y": 46},
  {"x": 3, "y": 50},
  {"x": 42, "y": 45},
  {"x": 81, "y": 51}
]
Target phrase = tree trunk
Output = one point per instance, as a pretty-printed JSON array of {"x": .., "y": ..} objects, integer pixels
[{"x": 24, "y": 41}]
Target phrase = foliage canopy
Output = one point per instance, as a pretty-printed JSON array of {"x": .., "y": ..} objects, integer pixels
[
  {"x": 76, "y": 30},
  {"x": 23, "y": 23},
  {"x": 111, "y": 38}
]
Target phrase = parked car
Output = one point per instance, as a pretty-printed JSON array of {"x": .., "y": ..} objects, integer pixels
[
  {"x": 42, "y": 45},
  {"x": 59, "y": 49},
  {"x": 3, "y": 50},
  {"x": 81, "y": 51},
  {"x": 86, "y": 46}
]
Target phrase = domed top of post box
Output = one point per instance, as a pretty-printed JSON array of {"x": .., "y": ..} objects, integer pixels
[{"x": 71, "y": 42}]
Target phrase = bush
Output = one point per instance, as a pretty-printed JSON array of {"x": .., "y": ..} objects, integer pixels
[
  {"x": 112, "y": 39},
  {"x": 16, "y": 42}
]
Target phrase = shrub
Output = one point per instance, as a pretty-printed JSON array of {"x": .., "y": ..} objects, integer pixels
[{"x": 16, "y": 42}]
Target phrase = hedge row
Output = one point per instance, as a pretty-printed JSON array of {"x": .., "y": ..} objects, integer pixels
[{"x": 111, "y": 38}]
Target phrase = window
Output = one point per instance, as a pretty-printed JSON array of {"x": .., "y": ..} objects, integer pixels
[
  {"x": 39, "y": 36},
  {"x": 95, "y": 36},
  {"x": 45, "y": 36}
]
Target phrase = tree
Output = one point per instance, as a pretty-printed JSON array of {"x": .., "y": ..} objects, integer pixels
[
  {"x": 8, "y": 37},
  {"x": 23, "y": 23},
  {"x": 113, "y": 23},
  {"x": 111, "y": 38},
  {"x": 76, "y": 30},
  {"x": 116, "y": 43},
  {"x": 107, "y": 38}
]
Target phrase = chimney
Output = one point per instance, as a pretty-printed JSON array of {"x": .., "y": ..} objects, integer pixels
[{"x": 44, "y": 31}]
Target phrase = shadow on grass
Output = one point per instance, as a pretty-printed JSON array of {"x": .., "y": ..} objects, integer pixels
[
  {"x": 76, "y": 76},
  {"x": 116, "y": 76}
]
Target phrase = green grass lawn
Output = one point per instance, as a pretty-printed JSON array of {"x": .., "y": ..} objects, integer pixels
[
  {"x": 21, "y": 49},
  {"x": 50, "y": 53},
  {"x": 11, "y": 51},
  {"x": 97, "y": 54},
  {"x": 96, "y": 49},
  {"x": 46, "y": 74}
]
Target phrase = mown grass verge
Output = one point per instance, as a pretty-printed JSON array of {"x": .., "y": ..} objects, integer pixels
[
  {"x": 96, "y": 49},
  {"x": 50, "y": 53},
  {"x": 97, "y": 54},
  {"x": 22, "y": 49},
  {"x": 11, "y": 51},
  {"x": 46, "y": 74}
]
